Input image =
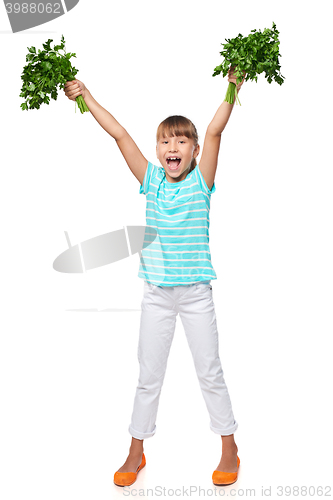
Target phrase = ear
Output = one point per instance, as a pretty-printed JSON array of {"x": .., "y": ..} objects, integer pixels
[{"x": 196, "y": 151}]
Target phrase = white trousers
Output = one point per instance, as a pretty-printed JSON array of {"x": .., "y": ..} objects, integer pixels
[{"x": 159, "y": 309}]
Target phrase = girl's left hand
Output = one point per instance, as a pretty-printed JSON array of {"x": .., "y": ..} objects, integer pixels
[{"x": 232, "y": 77}]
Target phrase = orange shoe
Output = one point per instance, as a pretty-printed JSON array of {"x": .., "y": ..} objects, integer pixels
[
  {"x": 223, "y": 478},
  {"x": 128, "y": 478}
]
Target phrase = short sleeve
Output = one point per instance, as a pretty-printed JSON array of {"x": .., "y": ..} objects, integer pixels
[
  {"x": 202, "y": 183},
  {"x": 144, "y": 189}
]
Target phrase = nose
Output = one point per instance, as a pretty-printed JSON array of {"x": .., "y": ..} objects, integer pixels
[{"x": 173, "y": 147}]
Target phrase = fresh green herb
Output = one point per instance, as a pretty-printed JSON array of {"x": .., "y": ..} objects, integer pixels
[
  {"x": 46, "y": 69},
  {"x": 253, "y": 54}
]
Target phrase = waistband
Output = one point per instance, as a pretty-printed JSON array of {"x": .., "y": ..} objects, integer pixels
[{"x": 206, "y": 282}]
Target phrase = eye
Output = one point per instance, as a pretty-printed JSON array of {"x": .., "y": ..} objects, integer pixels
[{"x": 164, "y": 142}]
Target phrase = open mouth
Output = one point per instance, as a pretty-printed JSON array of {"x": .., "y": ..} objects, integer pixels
[{"x": 173, "y": 162}]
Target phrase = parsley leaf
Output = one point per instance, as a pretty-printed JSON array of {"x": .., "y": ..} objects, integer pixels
[
  {"x": 254, "y": 54},
  {"x": 46, "y": 70}
]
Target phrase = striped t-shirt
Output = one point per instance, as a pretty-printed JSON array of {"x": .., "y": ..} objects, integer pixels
[{"x": 179, "y": 213}]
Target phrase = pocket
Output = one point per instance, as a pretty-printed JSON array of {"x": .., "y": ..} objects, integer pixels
[
  {"x": 149, "y": 286},
  {"x": 204, "y": 285}
]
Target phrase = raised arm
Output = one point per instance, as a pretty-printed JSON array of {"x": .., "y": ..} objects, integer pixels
[
  {"x": 211, "y": 147},
  {"x": 130, "y": 151}
]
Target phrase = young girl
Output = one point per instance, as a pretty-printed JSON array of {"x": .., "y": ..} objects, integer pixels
[{"x": 176, "y": 268}]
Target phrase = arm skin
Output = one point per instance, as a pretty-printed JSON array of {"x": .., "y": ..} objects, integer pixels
[
  {"x": 130, "y": 151},
  {"x": 211, "y": 147}
]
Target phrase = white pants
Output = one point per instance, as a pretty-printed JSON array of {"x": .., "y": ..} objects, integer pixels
[{"x": 160, "y": 306}]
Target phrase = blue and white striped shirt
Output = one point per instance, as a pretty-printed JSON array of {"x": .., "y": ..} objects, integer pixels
[{"x": 179, "y": 212}]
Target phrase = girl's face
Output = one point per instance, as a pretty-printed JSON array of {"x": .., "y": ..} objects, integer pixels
[{"x": 175, "y": 154}]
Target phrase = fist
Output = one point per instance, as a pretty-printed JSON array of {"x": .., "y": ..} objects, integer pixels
[
  {"x": 232, "y": 77},
  {"x": 74, "y": 88}
]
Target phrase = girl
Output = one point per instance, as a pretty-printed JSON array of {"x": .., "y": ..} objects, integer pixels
[{"x": 176, "y": 268}]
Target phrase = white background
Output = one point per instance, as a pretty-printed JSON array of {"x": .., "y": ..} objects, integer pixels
[{"x": 68, "y": 378}]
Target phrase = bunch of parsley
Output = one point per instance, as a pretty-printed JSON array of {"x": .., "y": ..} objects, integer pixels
[
  {"x": 46, "y": 69},
  {"x": 253, "y": 54}
]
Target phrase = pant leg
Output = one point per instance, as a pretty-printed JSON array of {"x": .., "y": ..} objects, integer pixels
[
  {"x": 197, "y": 313},
  {"x": 157, "y": 327}
]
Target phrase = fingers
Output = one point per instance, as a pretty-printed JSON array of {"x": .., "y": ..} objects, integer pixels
[
  {"x": 232, "y": 77},
  {"x": 73, "y": 96},
  {"x": 232, "y": 71},
  {"x": 70, "y": 84},
  {"x": 72, "y": 90}
]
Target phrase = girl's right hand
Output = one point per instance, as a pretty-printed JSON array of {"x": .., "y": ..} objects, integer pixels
[
  {"x": 75, "y": 88},
  {"x": 232, "y": 77}
]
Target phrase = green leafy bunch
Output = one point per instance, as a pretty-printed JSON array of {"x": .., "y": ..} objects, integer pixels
[
  {"x": 46, "y": 70},
  {"x": 253, "y": 54}
]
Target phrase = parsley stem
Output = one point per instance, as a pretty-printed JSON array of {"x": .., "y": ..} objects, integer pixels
[
  {"x": 231, "y": 95},
  {"x": 42, "y": 80},
  {"x": 237, "y": 98},
  {"x": 81, "y": 104}
]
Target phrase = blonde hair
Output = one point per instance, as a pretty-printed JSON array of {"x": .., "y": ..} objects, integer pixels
[{"x": 177, "y": 126}]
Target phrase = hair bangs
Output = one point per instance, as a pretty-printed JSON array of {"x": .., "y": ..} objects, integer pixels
[{"x": 176, "y": 126}]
